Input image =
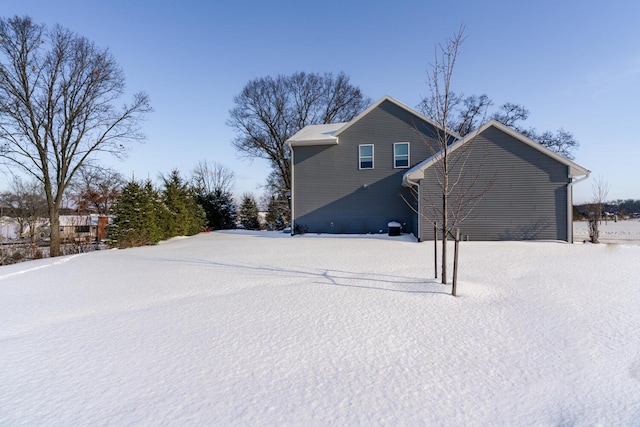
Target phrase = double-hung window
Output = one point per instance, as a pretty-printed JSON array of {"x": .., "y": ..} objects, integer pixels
[
  {"x": 365, "y": 156},
  {"x": 401, "y": 155}
]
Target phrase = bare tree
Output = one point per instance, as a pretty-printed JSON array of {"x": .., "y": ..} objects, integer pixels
[
  {"x": 269, "y": 111},
  {"x": 472, "y": 114},
  {"x": 57, "y": 95},
  {"x": 213, "y": 185},
  {"x": 562, "y": 141},
  {"x": 96, "y": 189},
  {"x": 469, "y": 112},
  {"x": 26, "y": 203},
  {"x": 457, "y": 179},
  {"x": 510, "y": 114},
  {"x": 209, "y": 177},
  {"x": 594, "y": 209}
]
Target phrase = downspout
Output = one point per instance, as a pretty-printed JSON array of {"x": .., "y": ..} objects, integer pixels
[
  {"x": 291, "y": 204},
  {"x": 570, "y": 205},
  {"x": 417, "y": 186}
]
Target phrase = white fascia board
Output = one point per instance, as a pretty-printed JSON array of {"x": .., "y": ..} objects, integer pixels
[
  {"x": 315, "y": 135},
  {"x": 309, "y": 142},
  {"x": 417, "y": 172}
]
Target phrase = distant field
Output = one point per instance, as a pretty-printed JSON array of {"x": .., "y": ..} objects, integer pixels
[{"x": 622, "y": 231}]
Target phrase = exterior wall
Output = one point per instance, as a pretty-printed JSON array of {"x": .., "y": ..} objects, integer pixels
[
  {"x": 525, "y": 191},
  {"x": 9, "y": 228},
  {"x": 83, "y": 227},
  {"x": 332, "y": 195}
]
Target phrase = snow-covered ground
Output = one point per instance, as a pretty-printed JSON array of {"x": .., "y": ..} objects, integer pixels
[
  {"x": 263, "y": 329},
  {"x": 610, "y": 231}
]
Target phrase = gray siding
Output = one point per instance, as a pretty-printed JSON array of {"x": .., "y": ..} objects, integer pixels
[
  {"x": 332, "y": 195},
  {"x": 525, "y": 191}
]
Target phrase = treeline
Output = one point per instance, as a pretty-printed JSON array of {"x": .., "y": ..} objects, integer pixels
[
  {"x": 144, "y": 213},
  {"x": 622, "y": 208}
]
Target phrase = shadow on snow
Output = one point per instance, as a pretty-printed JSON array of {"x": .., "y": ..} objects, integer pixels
[{"x": 347, "y": 279}]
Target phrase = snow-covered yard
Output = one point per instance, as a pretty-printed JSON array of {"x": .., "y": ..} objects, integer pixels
[
  {"x": 610, "y": 231},
  {"x": 263, "y": 329}
]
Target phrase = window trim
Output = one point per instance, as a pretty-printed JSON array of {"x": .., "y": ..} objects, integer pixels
[
  {"x": 360, "y": 157},
  {"x": 396, "y": 156}
]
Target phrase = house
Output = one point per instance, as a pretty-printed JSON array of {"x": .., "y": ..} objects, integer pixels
[
  {"x": 382, "y": 166},
  {"x": 91, "y": 227},
  {"x": 9, "y": 229}
]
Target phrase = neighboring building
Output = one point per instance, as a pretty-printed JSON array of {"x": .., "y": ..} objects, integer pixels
[
  {"x": 356, "y": 177},
  {"x": 85, "y": 228},
  {"x": 9, "y": 229},
  {"x": 78, "y": 228}
]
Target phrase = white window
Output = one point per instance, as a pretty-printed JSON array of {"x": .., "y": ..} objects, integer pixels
[
  {"x": 401, "y": 155},
  {"x": 365, "y": 156}
]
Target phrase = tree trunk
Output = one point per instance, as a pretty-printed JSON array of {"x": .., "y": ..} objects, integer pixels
[
  {"x": 445, "y": 215},
  {"x": 54, "y": 221},
  {"x": 444, "y": 256},
  {"x": 455, "y": 264},
  {"x": 435, "y": 250}
]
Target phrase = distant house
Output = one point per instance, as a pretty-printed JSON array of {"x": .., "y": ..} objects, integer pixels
[
  {"x": 9, "y": 228},
  {"x": 84, "y": 228},
  {"x": 356, "y": 177}
]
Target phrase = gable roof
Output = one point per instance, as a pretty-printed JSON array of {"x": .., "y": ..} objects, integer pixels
[
  {"x": 396, "y": 103},
  {"x": 417, "y": 172},
  {"x": 328, "y": 134}
]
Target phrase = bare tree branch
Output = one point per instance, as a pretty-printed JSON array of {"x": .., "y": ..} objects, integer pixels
[
  {"x": 458, "y": 185},
  {"x": 57, "y": 95},
  {"x": 209, "y": 177},
  {"x": 269, "y": 111},
  {"x": 96, "y": 189},
  {"x": 600, "y": 190},
  {"x": 26, "y": 203}
]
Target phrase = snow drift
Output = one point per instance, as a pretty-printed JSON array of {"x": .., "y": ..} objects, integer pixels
[{"x": 259, "y": 328}]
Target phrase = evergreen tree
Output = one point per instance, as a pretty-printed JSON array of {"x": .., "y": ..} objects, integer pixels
[
  {"x": 219, "y": 208},
  {"x": 185, "y": 216},
  {"x": 279, "y": 203},
  {"x": 249, "y": 213},
  {"x": 135, "y": 216},
  {"x": 274, "y": 217}
]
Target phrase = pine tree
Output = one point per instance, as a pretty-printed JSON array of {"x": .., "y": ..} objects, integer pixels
[
  {"x": 249, "y": 213},
  {"x": 135, "y": 216},
  {"x": 219, "y": 208},
  {"x": 185, "y": 216},
  {"x": 274, "y": 217}
]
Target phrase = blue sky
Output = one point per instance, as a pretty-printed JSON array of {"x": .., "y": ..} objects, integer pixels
[{"x": 573, "y": 64}]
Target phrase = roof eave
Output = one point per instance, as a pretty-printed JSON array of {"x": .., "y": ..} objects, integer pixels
[
  {"x": 576, "y": 171},
  {"x": 312, "y": 142}
]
